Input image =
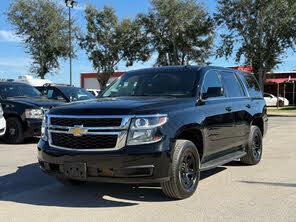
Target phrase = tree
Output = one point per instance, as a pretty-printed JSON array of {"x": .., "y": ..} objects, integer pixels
[
  {"x": 259, "y": 31},
  {"x": 180, "y": 31},
  {"x": 109, "y": 41},
  {"x": 43, "y": 28}
]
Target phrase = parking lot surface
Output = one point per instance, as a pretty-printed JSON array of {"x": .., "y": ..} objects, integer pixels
[{"x": 233, "y": 192}]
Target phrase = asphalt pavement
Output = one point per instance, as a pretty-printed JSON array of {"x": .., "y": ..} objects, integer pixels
[{"x": 233, "y": 192}]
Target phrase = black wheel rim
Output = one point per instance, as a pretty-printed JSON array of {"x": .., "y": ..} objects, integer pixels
[
  {"x": 188, "y": 170},
  {"x": 11, "y": 130},
  {"x": 257, "y": 146}
]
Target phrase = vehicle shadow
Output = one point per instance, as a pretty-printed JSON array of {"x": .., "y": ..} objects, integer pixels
[
  {"x": 236, "y": 163},
  {"x": 270, "y": 183},
  {"x": 29, "y": 185},
  {"x": 32, "y": 140}
]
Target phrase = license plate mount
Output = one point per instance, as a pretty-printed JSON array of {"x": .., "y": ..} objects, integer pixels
[{"x": 75, "y": 170}]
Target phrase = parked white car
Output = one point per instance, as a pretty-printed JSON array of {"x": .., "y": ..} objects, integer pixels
[
  {"x": 271, "y": 100},
  {"x": 2, "y": 122}
]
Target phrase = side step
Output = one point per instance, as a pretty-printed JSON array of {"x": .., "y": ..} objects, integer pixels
[{"x": 222, "y": 160}]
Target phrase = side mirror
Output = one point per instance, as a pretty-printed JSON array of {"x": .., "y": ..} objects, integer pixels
[{"x": 213, "y": 92}]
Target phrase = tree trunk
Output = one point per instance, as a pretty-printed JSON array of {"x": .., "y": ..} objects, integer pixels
[
  {"x": 261, "y": 79},
  {"x": 260, "y": 71}
]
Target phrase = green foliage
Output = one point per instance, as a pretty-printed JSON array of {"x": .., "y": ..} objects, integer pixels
[
  {"x": 180, "y": 31},
  {"x": 260, "y": 31},
  {"x": 109, "y": 41},
  {"x": 43, "y": 27}
]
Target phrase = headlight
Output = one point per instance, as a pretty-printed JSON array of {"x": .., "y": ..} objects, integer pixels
[
  {"x": 145, "y": 130},
  {"x": 44, "y": 133},
  {"x": 34, "y": 113}
]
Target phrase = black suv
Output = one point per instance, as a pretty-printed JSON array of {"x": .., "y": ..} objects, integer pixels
[
  {"x": 65, "y": 93},
  {"x": 23, "y": 109},
  {"x": 159, "y": 125}
]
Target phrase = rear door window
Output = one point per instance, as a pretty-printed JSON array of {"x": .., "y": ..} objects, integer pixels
[{"x": 231, "y": 84}]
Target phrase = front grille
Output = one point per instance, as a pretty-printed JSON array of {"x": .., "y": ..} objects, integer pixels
[
  {"x": 86, "y": 122},
  {"x": 84, "y": 142}
]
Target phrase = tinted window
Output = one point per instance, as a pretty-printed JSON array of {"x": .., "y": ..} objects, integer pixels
[
  {"x": 179, "y": 84},
  {"x": 18, "y": 90},
  {"x": 252, "y": 85},
  {"x": 54, "y": 94},
  {"x": 211, "y": 80},
  {"x": 231, "y": 84},
  {"x": 76, "y": 94}
]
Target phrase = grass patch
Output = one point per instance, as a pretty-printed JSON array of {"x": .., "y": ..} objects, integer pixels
[{"x": 289, "y": 109}]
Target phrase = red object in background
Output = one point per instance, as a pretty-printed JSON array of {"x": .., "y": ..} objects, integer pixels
[
  {"x": 247, "y": 68},
  {"x": 84, "y": 76},
  {"x": 280, "y": 77}
]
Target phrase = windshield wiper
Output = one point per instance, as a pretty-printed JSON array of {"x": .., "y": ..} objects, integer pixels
[{"x": 18, "y": 96}]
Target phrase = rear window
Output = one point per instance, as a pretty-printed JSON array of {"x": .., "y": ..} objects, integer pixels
[{"x": 252, "y": 85}]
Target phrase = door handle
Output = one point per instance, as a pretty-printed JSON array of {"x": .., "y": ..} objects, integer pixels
[
  {"x": 228, "y": 108},
  {"x": 248, "y": 106}
]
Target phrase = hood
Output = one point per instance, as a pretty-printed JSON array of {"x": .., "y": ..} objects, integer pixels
[
  {"x": 36, "y": 102},
  {"x": 123, "y": 106},
  {"x": 282, "y": 98}
]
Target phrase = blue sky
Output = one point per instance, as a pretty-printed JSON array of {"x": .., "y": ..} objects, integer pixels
[{"x": 14, "y": 61}]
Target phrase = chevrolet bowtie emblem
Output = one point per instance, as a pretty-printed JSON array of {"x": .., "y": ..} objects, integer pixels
[{"x": 77, "y": 131}]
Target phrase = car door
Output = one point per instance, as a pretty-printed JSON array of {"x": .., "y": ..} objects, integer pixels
[
  {"x": 240, "y": 106},
  {"x": 273, "y": 100},
  {"x": 270, "y": 101},
  {"x": 219, "y": 121}
]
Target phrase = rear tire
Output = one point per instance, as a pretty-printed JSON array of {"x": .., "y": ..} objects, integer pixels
[
  {"x": 185, "y": 171},
  {"x": 14, "y": 131},
  {"x": 254, "y": 147},
  {"x": 69, "y": 182}
]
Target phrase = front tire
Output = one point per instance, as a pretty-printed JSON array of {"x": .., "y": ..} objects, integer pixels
[
  {"x": 254, "y": 147},
  {"x": 185, "y": 171},
  {"x": 14, "y": 131}
]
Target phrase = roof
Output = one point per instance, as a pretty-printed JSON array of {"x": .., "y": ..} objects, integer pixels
[
  {"x": 59, "y": 86},
  {"x": 180, "y": 68},
  {"x": 13, "y": 83},
  {"x": 94, "y": 75}
]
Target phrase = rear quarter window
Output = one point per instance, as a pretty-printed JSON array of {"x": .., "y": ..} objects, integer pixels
[{"x": 252, "y": 85}]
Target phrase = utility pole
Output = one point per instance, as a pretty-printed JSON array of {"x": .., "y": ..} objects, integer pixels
[{"x": 70, "y": 4}]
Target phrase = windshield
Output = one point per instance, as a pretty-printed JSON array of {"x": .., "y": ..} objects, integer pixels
[
  {"x": 77, "y": 94},
  {"x": 18, "y": 90},
  {"x": 177, "y": 84}
]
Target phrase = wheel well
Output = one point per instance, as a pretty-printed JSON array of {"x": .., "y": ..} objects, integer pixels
[
  {"x": 16, "y": 116},
  {"x": 194, "y": 135},
  {"x": 259, "y": 122}
]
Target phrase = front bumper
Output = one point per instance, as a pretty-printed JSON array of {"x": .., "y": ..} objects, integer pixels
[
  {"x": 33, "y": 127},
  {"x": 2, "y": 126},
  {"x": 125, "y": 166}
]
